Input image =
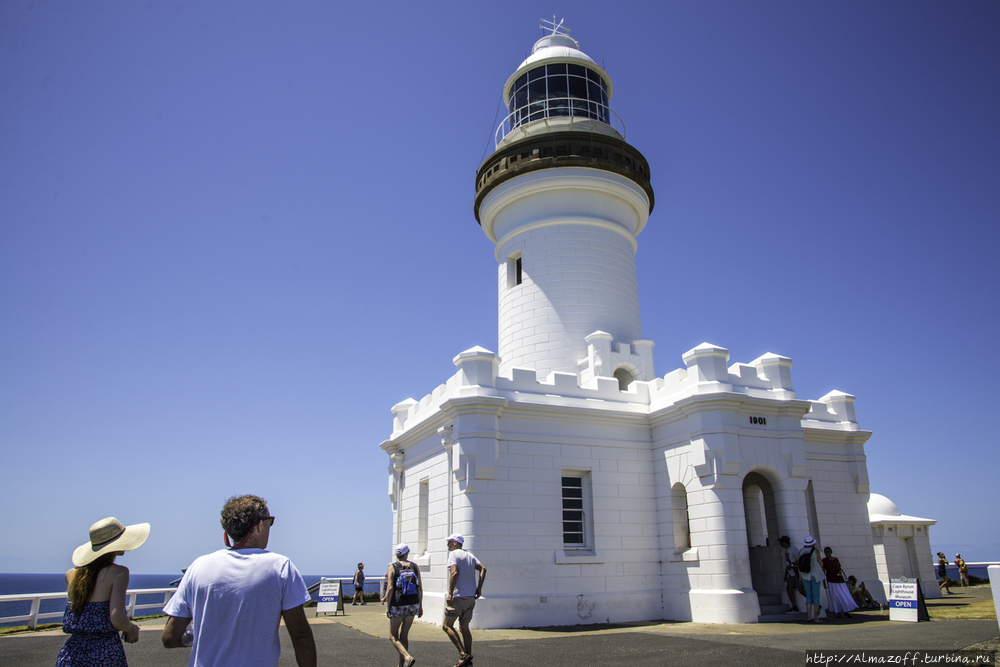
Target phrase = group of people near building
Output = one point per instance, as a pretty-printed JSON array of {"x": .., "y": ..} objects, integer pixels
[
  {"x": 229, "y": 604},
  {"x": 404, "y": 599},
  {"x": 805, "y": 573}
]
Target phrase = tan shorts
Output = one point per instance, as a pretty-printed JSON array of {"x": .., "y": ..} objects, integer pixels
[{"x": 460, "y": 608}]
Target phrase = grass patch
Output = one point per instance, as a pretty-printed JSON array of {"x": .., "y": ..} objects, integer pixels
[
  {"x": 14, "y": 629},
  {"x": 973, "y": 610}
]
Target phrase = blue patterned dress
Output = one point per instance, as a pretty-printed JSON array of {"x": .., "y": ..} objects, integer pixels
[{"x": 94, "y": 641}]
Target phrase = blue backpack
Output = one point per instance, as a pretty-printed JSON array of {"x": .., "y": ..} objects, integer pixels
[{"x": 406, "y": 583}]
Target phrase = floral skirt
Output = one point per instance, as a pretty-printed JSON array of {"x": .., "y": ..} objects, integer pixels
[{"x": 404, "y": 611}]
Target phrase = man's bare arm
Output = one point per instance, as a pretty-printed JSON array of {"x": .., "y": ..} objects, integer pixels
[
  {"x": 452, "y": 580},
  {"x": 173, "y": 631},
  {"x": 482, "y": 578},
  {"x": 302, "y": 636}
]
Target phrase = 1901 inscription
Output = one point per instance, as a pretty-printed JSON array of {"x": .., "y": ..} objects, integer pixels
[{"x": 758, "y": 420}]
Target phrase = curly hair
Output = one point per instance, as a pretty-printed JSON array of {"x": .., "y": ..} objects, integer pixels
[{"x": 241, "y": 513}]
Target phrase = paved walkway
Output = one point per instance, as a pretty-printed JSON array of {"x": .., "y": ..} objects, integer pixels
[{"x": 360, "y": 638}]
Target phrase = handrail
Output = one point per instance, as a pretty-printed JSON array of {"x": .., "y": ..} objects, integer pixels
[
  {"x": 549, "y": 111},
  {"x": 33, "y": 616},
  {"x": 349, "y": 580}
]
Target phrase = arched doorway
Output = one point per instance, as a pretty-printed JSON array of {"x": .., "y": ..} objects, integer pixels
[{"x": 766, "y": 569}]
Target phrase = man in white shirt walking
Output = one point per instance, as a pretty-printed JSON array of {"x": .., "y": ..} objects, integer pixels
[
  {"x": 234, "y": 599},
  {"x": 463, "y": 591}
]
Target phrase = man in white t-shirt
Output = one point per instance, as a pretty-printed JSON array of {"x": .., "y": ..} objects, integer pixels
[
  {"x": 463, "y": 591},
  {"x": 235, "y": 598},
  {"x": 793, "y": 583}
]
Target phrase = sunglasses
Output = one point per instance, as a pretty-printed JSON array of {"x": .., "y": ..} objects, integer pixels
[{"x": 269, "y": 519}]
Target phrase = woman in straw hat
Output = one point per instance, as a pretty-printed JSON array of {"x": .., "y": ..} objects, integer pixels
[
  {"x": 96, "y": 588},
  {"x": 811, "y": 571}
]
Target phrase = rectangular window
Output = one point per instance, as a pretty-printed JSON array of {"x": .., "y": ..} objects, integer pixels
[
  {"x": 422, "y": 517},
  {"x": 514, "y": 270},
  {"x": 577, "y": 511}
]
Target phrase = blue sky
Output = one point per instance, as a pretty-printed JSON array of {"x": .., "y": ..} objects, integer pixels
[{"x": 233, "y": 235}]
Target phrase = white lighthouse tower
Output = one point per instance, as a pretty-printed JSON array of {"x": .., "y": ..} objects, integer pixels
[{"x": 591, "y": 488}]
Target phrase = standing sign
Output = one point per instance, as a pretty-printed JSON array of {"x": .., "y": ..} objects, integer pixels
[
  {"x": 904, "y": 599},
  {"x": 331, "y": 596}
]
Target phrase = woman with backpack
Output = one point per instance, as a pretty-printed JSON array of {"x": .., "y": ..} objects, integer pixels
[
  {"x": 811, "y": 572},
  {"x": 405, "y": 597}
]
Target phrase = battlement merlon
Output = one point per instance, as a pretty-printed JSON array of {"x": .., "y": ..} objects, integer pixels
[{"x": 767, "y": 377}]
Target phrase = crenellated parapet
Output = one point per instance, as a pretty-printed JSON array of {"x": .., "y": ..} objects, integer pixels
[{"x": 706, "y": 372}]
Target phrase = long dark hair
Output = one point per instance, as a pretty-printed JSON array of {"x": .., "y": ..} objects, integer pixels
[{"x": 82, "y": 586}]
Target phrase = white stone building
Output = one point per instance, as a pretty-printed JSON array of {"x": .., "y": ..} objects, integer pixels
[
  {"x": 902, "y": 546},
  {"x": 592, "y": 488}
]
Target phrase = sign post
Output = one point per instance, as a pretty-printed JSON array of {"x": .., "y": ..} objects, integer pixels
[
  {"x": 331, "y": 597},
  {"x": 904, "y": 600}
]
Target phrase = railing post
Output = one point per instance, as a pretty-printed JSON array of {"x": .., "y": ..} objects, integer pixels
[
  {"x": 131, "y": 604},
  {"x": 33, "y": 621}
]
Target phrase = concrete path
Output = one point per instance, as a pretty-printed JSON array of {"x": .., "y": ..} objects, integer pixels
[{"x": 360, "y": 638}]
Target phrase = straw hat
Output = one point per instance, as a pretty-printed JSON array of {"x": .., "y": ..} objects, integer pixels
[
  {"x": 809, "y": 541},
  {"x": 109, "y": 535}
]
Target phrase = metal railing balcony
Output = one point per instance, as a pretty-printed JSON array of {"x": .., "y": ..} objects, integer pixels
[{"x": 562, "y": 113}]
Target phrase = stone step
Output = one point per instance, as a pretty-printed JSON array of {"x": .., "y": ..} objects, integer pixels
[
  {"x": 773, "y": 609},
  {"x": 782, "y": 618}
]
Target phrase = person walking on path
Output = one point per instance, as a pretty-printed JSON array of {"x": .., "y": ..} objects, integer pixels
[
  {"x": 838, "y": 593},
  {"x": 963, "y": 570},
  {"x": 793, "y": 584},
  {"x": 943, "y": 573},
  {"x": 811, "y": 571},
  {"x": 234, "y": 599},
  {"x": 359, "y": 585},
  {"x": 405, "y": 594},
  {"x": 96, "y": 611},
  {"x": 462, "y": 595}
]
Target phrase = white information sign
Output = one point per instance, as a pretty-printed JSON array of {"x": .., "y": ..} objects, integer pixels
[
  {"x": 903, "y": 601},
  {"x": 330, "y": 596}
]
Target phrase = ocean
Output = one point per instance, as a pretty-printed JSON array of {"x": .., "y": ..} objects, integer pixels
[{"x": 24, "y": 584}]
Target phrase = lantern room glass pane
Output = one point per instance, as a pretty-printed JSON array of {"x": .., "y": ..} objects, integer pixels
[
  {"x": 536, "y": 90},
  {"x": 558, "y": 89}
]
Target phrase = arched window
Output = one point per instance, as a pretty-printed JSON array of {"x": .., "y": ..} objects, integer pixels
[
  {"x": 681, "y": 519},
  {"x": 624, "y": 378}
]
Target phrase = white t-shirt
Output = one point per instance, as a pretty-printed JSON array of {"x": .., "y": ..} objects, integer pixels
[
  {"x": 235, "y": 600},
  {"x": 792, "y": 557},
  {"x": 467, "y": 582}
]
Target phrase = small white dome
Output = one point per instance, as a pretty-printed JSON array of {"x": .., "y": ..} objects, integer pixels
[
  {"x": 879, "y": 504},
  {"x": 556, "y": 49},
  {"x": 561, "y": 47}
]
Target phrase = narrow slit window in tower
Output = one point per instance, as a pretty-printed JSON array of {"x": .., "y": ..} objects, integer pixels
[{"x": 514, "y": 270}]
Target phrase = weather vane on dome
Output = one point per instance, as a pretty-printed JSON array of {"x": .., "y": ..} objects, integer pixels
[{"x": 556, "y": 28}]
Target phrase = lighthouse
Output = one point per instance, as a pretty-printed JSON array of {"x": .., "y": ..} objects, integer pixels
[
  {"x": 592, "y": 488},
  {"x": 563, "y": 198}
]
